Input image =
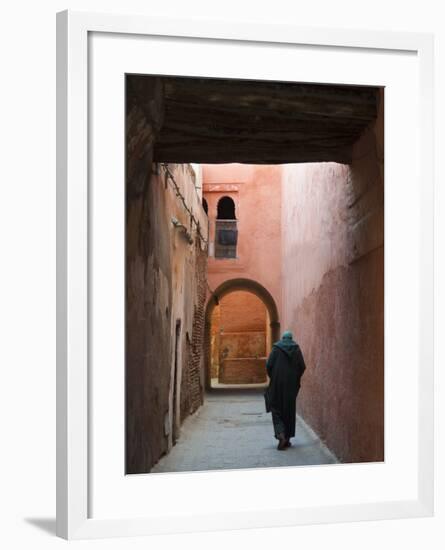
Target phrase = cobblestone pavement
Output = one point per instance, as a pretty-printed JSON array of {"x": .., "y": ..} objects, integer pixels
[{"x": 231, "y": 431}]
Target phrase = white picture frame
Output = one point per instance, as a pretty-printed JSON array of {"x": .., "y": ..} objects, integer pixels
[{"x": 74, "y": 437}]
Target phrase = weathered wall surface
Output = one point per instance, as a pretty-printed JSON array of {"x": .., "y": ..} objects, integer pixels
[
  {"x": 165, "y": 296},
  {"x": 243, "y": 370},
  {"x": 242, "y": 312},
  {"x": 193, "y": 382},
  {"x": 332, "y": 227},
  {"x": 239, "y": 332},
  {"x": 243, "y": 344},
  {"x": 213, "y": 342}
]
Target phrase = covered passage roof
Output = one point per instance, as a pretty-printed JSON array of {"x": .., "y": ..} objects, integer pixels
[{"x": 207, "y": 120}]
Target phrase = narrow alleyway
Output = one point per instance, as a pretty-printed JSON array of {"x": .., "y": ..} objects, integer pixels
[
  {"x": 267, "y": 218},
  {"x": 232, "y": 430}
]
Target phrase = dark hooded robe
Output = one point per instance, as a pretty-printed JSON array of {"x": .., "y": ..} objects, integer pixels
[{"x": 285, "y": 367}]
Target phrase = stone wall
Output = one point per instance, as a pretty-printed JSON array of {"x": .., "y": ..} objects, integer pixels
[
  {"x": 333, "y": 294},
  {"x": 165, "y": 292}
]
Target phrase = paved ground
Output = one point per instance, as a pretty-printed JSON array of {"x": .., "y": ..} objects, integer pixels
[{"x": 232, "y": 431}]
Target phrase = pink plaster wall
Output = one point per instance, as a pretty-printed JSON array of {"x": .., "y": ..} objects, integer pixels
[
  {"x": 332, "y": 228},
  {"x": 256, "y": 191}
]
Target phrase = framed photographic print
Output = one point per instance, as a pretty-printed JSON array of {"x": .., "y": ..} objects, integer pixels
[{"x": 245, "y": 297}]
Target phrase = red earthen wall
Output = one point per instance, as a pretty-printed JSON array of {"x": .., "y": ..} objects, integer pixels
[
  {"x": 243, "y": 371},
  {"x": 243, "y": 344},
  {"x": 333, "y": 295},
  {"x": 238, "y": 330},
  {"x": 242, "y": 312}
]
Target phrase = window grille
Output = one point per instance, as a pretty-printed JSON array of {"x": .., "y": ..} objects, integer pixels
[{"x": 226, "y": 238}]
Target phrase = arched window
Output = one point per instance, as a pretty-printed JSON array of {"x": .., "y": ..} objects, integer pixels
[
  {"x": 226, "y": 209},
  {"x": 205, "y": 206},
  {"x": 226, "y": 230}
]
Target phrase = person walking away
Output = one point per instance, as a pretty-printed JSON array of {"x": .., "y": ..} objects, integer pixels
[{"x": 285, "y": 367}]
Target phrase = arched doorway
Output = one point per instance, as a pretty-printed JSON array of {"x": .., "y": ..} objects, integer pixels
[{"x": 223, "y": 290}]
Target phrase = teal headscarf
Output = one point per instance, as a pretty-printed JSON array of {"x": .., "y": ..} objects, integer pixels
[{"x": 287, "y": 343}]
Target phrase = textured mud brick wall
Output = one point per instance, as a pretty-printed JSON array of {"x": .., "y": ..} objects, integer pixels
[
  {"x": 214, "y": 342},
  {"x": 243, "y": 371},
  {"x": 238, "y": 331},
  {"x": 193, "y": 377},
  {"x": 333, "y": 294},
  {"x": 242, "y": 312},
  {"x": 243, "y": 344},
  {"x": 243, "y": 357},
  {"x": 164, "y": 283}
]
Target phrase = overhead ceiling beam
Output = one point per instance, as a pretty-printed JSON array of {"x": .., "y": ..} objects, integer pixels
[{"x": 205, "y": 120}]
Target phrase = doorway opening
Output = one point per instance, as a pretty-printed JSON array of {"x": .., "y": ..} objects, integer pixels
[
  {"x": 176, "y": 420},
  {"x": 241, "y": 323},
  {"x": 240, "y": 341}
]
